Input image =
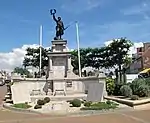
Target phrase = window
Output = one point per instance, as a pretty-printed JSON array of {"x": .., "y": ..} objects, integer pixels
[{"x": 140, "y": 49}]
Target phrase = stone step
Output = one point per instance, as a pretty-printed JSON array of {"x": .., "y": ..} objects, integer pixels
[
  {"x": 7, "y": 97},
  {"x": 60, "y": 97},
  {"x": 9, "y": 101},
  {"x": 72, "y": 92}
]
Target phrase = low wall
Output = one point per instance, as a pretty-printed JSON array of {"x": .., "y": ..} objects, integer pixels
[
  {"x": 130, "y": 77},
  {"x": 73, "y": 79},
  {"x": 78, "y": 84}
]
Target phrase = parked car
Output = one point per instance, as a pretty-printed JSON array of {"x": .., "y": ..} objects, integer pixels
[{"x": 144, "y": 74}]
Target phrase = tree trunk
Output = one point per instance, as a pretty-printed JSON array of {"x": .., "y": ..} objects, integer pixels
[
  {"x": 116, "y": 73},
  {"x": 124, "y": 76},
  {"x": 120, "y": 74}
]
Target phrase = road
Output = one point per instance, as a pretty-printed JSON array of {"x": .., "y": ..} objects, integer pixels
[
  {"x": 2, "y": 93},
  {"x": 7, "y": 116}
]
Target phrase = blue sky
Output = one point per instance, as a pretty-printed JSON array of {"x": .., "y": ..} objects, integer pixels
[{"x": 99, "y": 21}]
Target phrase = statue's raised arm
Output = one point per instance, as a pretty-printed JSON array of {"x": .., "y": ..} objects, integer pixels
[{"x": 54, "y": 18}]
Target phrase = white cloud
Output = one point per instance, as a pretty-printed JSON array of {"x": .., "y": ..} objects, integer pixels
[
  {"x": 10, "y": 60},
  {"x": 108, "y": 42}
]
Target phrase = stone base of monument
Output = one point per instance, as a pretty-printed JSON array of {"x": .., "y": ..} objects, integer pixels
[
  {"x": 57, "y": 106},
  {"x": 60, "y": 92},
  {"x": 9, "y": 101},
  {"x": 60, "y": 97},
  {"x": 7, "y": 97}
]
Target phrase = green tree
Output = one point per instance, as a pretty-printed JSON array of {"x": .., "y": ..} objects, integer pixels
[
  {"x": 128, "y": 60},
  {"x": 32, "y": 57},
  {"x": 93, "y": 57},
  {"x": 101, "y": 58},
  {"x": 21, "y": 71},
  {"x": 118, "y": 53},
  {"x": 115, "y": 54},
  {"x": 83, "y": 57},
  {"x": 90, "y": 57}
]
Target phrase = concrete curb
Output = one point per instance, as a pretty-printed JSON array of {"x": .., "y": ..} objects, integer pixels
[
  {"x": 129, "y": 102},
  {"x": 71, "y": 114},
  {"x": 6, "y": 106}
]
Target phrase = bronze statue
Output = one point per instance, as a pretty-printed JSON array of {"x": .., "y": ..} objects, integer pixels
[{"x": 59, "y": 25}]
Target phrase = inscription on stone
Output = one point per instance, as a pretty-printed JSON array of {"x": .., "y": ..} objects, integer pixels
[{"x": 59, "y": 61}]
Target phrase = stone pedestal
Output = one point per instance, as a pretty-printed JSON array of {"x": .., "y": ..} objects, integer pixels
[
  {"x": 59, "y": 60},
  {"x": 59, "y": 64}
]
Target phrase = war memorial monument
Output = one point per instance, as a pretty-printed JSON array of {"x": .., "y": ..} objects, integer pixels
[{"x": 60, "y": 84}]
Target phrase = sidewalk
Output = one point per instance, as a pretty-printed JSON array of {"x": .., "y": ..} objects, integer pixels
[{"x": 118, "y": 117}]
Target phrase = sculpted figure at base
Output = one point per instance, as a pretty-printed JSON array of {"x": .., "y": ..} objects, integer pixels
[{"x": 59, "y": 25}]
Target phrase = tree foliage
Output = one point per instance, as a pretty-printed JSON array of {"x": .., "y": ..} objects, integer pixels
[
  {"x": 32, "y": 57},
  {"x": 118, "y": 54},
  {"x": 21, "y": 71},
  {"x": 84, "y": 52},
  {"x": 90, "y": 57},
  {"x": 115, "y": 54},
  {"x": 118, "y": 51}
]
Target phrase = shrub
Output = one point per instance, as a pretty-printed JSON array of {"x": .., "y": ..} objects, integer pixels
[
  {"x": 109, "y": 102},
  {"x": 134, "y": 97},
  {"x": 37, "y": 106},
  {"x": 140, "y": 87},
  {"x": 40, "y": 102},
  {"x": 88, "y": 104},
  {"x": 83, "y": 101},
  {"x": 147, "y": 81},
  {"x": 136, "y": 84},
  {"x": 126, "y": 91},
  {"x": 143, "y": 91},
  {"x": 110, "y": 85},
  {"x": 47, "y": 99},
  {"x": 117, "y": 89},
  {"x": 76, "y": 103},
  {"x": 69, "y": 101}
]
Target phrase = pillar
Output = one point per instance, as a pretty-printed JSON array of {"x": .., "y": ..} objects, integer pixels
[
  {"x": 50, "y": 63},
  {"x": 69, "y": 63}
]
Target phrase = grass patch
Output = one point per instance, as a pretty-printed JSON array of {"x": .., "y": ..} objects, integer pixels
[
  {"x": 101, "y": 106},
  {"x": 22, "y": 105}
]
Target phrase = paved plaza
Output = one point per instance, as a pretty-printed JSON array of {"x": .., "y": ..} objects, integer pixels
[
  {"x": 7, "y": 116},
  {"x": 2, "y": 93}
]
